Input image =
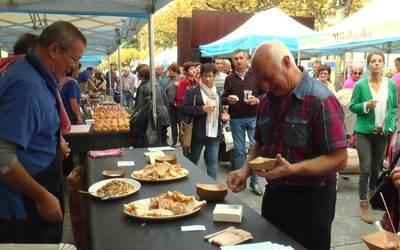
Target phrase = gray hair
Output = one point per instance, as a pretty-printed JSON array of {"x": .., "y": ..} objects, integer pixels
[
  {"x": 354, "y": 66},
  {"x": 246, "y": 54},
  {"x": 61, "y": 32}
]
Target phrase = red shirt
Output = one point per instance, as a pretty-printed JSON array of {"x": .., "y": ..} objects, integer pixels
[
  {"x": 183, "y": 86},
  {"x": 311, "y": 124}
]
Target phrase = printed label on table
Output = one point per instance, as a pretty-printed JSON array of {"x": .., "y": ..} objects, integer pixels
[
  {"x": 125, "y": 163},
  {"x": 193, "y": 228}
]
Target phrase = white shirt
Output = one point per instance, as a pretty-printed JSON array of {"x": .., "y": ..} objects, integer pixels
[
  {"x": 219, "y": 81},
  {"x": 381, "y": 106},
  {"x": 211, "y": 123}
]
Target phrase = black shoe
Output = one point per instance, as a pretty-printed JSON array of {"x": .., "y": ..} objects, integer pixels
[{"x": 255, "y": 188}]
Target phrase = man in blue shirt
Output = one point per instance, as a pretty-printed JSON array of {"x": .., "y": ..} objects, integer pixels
[
  {"x": 85, "y": 81},
  {"x": 31, "y": 189},
  {"x": 71, "y": 97}
]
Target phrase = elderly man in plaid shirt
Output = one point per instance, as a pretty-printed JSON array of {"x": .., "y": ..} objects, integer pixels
[{"x": 300, "y": 123}]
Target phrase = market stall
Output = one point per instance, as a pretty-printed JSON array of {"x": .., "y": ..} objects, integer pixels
[{"x": 110, "y": 228}]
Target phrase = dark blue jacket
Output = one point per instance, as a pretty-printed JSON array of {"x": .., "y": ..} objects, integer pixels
[{"x": 196, "y": 112}]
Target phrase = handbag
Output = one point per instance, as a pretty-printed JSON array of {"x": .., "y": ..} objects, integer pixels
[
  {"x": 151, "y": 138},
  {"x": 185, "y": 132},
  {"x": 386, "y": 187}
]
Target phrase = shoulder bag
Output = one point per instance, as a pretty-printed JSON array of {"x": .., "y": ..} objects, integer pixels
[{"x": 185, "y": 132}]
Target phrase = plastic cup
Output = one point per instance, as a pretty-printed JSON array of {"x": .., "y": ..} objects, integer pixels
[{"x": 247, "y": 94}]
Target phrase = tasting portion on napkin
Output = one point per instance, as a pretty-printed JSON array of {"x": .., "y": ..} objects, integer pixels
[{"x": 106, "y": 153}]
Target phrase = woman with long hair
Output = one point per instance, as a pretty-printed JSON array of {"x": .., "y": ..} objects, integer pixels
[{"x": 374, "y": 101}]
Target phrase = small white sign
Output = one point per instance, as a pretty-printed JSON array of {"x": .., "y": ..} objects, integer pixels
[
  {"x": 166, "y": 148},
  {"x": 125, "y": 163},
  {"x": 193, "y": 228}
]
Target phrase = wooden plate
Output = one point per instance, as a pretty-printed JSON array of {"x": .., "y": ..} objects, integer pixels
[
  {"x": 212, "y": 192},
  {"x": 146, "y": 203},
  {"x": 114, "y": 173},
  {"x": 262, "y": 163}
]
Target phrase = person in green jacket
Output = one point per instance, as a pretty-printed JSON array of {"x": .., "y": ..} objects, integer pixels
[{"x": 374, "y": 100}]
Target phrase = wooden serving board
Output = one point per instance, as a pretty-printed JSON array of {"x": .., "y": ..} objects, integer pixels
[{"x": 229, "y": 236}]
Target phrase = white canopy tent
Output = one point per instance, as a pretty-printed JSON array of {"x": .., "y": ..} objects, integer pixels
[
  {"x": 375, "y": 27},
  {"x": 268, "y": 25},
  {"x": 101, "y": 21}
]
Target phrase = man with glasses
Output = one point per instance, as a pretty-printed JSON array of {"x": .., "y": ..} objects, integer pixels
[
  {"x": 356, "y": 72},
  {"x": 31, "y": 178}
]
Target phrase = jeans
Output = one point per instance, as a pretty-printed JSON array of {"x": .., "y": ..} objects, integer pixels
[
  {"x": 210, "y": 154},
  {"x": 127, "y": 100},
  {"x": 303, "y": 213},
  {"x": 173, "y": 117},
  {"x": 371, "y": 149},
  {"x": 239, "y": 126}
]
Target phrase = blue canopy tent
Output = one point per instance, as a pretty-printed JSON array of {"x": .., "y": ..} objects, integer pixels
[
  {"x": 105, "y": 23},
  {"x": 268, "y": 25}
]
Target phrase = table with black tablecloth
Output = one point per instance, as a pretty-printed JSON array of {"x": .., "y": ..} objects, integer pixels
[
  {"x": 83, "y": 142},
  {"x": 109, "y": 228}
]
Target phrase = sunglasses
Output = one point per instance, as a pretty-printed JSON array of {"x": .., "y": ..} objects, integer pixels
[{"x": 357, "y": 73}]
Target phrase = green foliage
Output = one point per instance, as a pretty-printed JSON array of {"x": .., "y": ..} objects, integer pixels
[{"x": 127, "y": 55}]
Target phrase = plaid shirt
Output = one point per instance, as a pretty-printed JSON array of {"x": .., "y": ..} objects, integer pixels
[{"x": 310, "y": 125}]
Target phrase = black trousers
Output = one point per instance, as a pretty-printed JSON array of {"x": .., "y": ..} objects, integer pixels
[
  {"x": 34, "y": 229},
  {"x": 304, "y": 213},
  {"x": 173, "y": 116}
]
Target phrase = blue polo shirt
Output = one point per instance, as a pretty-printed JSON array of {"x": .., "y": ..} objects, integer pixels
[
  {"x": 29, "y": 119},
  {"x": 83, "y": 76},
  {"x": 68, "y": 91}
]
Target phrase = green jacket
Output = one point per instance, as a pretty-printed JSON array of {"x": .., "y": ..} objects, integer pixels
[{"x": 365, "y": 123}]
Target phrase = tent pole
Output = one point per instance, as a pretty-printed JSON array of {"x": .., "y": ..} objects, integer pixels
[
  {"x": 109, "y": 75},
  {"x": 120, "y": 75},
  {"x": 152, "y": 68},
  {"x": 298, "y": 57}
]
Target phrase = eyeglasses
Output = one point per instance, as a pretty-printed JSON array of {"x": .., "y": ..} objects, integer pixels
[
  {"x": 323, "y": 73},
  {"x": 357, "y": 73},
  {"x": 75, "y": 60}
]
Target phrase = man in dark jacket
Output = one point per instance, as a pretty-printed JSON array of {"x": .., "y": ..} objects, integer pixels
[{"x": 240, "y": 93}]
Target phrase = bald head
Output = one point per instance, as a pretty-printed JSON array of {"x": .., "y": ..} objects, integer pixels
[
  {"x": 276, "y": 51},
  {"x": 274, "y": 67}
]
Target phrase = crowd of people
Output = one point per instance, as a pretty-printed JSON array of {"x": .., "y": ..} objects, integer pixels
[{"x": 285, "y": 113}]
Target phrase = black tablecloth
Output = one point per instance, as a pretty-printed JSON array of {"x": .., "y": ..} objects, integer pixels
[
  {"x": 111, "y": 229},
  {"x": 83, "y": 142}
]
